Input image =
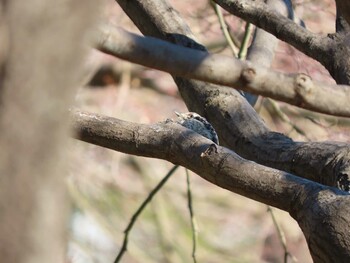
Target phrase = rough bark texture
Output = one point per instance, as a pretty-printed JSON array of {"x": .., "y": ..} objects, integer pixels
[
  {"x": 219, "y": 165},
  {"x": 262, "y": 49},
  {"x": 315, "y": 207},
  {"x": 329, "y": 51},
  {"x": 321, "y": 211},
  {"x": 39, "y": 71},
  {"x": 238, "y": 125},
  {"x": 296, "y": 89},
  {"x": 343, "y": 6},
  {"x": 324, "y": 221}
]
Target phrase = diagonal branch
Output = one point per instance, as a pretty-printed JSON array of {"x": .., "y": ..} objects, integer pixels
[
  {"x": 331, "y": 51},
  {"x": 296, "y": 89},
  {"x": 238, "y": 125},
  {"x": 262, "y": 49},
  {"x": 172, "y": 142},
  {"x": 311, "y": 204},
  {"x": 261, "y": 15}
]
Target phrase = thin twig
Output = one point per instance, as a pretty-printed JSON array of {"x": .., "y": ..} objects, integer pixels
[
  {"x": 233, "y": 43},
  {"x": 139, "y": 210},
  {"x": 242, "y": 54},
  {"x": 281, "y": 236},
  {"x": 193, "y": 219}
]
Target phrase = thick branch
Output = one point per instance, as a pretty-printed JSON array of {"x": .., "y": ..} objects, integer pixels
[
  {"x": 332, "y": 53},
  {"x": 172, "y": 142},
  {"x": 343, "y": 6},
  {"x": 296, "y": 89},
  {"x": 311, "y": 204},
  {"x": 262, "y": 49},
  {"x": 238, "y": 125},
  {"x": 261, "y": 15}
]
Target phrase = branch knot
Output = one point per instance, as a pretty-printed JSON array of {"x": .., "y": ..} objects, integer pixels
[{"x": 210, "y": 150}]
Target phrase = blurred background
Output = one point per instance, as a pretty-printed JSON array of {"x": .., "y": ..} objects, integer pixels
[{"x": 107, "y": 187}]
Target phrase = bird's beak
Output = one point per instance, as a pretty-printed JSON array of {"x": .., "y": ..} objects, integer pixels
[{"x": 177, "y": 114}]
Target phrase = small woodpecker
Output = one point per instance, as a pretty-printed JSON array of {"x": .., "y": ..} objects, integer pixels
[{"x": 197, "y": 123}]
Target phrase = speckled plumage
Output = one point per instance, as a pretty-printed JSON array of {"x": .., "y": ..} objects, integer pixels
[{"x": 199, "y": 124}]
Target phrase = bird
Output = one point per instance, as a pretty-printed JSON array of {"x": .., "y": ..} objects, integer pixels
[{"x": 197, "y": 123}]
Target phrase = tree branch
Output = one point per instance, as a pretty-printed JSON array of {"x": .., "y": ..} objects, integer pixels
[
  {"x": 332, "y": 52},
  {"x": 262, "y": 49},
  {"x": 311, "y": 204},
  {"x": 238, "y": 125},
  {"x": 172, "y": 142},
  {"x": 344, "y": 8},
  {"x": 296, "y": 89},
  {"x": 261, "y": 15}
]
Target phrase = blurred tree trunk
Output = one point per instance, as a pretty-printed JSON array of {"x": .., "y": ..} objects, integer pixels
[{"x": 41, "y": 49}]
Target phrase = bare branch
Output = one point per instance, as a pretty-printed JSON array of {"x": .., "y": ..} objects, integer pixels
[
  {"x": 232, "y": 43},
  {"x": 238, "y": 125},
  {"x": 296, "y": 89},
  {"x": 343, "y": 6},
  {"x": 174, "y": 143},
  {"x": 194, "y": 227},
  {"x": 261, "y": 15},
  {"x": 138, "y": 212},
  {"x": 311, "y": 204},
  {"x": 332, "y": 51},
  {"x": 262, "y": 48}
]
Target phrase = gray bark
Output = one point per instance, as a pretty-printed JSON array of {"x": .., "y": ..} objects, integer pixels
[
  {"x": 238, "y": 125},
  {"x": 241, "y": 130},
  {"x": 332, "y": 52},
  {"x": 297, "y": 89},
  {"x": 321, "y": 211}
]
